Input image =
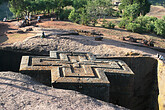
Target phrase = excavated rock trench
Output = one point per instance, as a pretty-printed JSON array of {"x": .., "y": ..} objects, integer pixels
[{"x": 146, "y": 89}]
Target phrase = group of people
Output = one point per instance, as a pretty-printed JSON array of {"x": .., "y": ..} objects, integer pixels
[
  {"x": 30, "y": 18},
  {"x": 25, "y": 19}
]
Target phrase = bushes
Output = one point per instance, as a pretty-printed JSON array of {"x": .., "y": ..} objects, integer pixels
[
  {"x": 65, "y": 14},
  {"x": 110, "y": 25},
  {"x": 74, "y": 16},
  {"x": 152, "y": 24},
  {"x": 164, "y": 18},
  {"x": 84, "y": 19},
  {"x": 94, "y": 21},
  {"x": 123, "y": 23},
  {"x": 160, "y": 27},
  {"x": 147, "y": 23},
  {"x": 79, "y": 16},
  {"x": 107, "y": 24},
  {"x": 144, "y": 24},
  {"x": 134, "y": 27},
  {"x": 104, "y": 23},
  {"x": 116, "y": 14},
  {"x": 149, "y": 27},
  {"x": 131, "y": 12},
  {"x": 152, "y": 18},
  {"x": 143, "y": 20}
]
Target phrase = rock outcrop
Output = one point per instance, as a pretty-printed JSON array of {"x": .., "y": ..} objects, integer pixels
[{"x": 21, "y": 92}]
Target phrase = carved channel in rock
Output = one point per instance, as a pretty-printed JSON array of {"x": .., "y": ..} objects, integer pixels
[{"x": 145, "y": 89}]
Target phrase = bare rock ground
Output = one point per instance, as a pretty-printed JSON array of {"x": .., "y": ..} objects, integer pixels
[
  {"x": 157, "y": 11},
  {"x": 79, "y": 43},
  {"x": 21, "y": 92}
]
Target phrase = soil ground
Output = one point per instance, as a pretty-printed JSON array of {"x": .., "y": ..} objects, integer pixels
[
  {"x": 9, "y": 38},
  {"x": 157, "y": 11}
]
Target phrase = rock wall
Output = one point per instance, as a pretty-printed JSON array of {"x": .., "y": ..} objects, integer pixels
[
  {"x": 145, "y": 83},
  {"x": 148, "y": 84},
  {"x": 10, "y": 60},
  {"x": 21, "y": 92},
  {"x": 161, "y": 84}
]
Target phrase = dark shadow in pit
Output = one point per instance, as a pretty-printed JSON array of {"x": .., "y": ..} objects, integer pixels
[
  {"x": 3, "y": 29},
  {"x": 10, "y": 60},
  {"x": 145, "y": 68},
  {"x": 146, "y": 82},
  {"x": 3, "y": 38}
]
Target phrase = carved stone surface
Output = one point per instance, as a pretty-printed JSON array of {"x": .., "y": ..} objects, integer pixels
[{"x": 81, "y": 72}]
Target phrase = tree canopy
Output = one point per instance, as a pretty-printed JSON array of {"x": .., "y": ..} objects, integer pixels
[
  {"x": 79, "y": 3},
  {"x": 144, "y": 5},
  {"x": 99, "y": 7},
  {"x": 24, "y": 7},
  {"x": 131, "y": 11},
  {"x": 3, "y": 1}
]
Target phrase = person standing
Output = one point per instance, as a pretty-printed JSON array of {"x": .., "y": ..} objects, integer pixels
[
  {"x": 4, "y": 19},
  {"x": 38, "y": 20}
]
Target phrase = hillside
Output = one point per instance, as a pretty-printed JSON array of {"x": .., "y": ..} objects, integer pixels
[{"x": 157, "y": 11}]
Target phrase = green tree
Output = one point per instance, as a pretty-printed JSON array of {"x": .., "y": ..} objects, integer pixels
[
  {"x": 3, "y": 1},
  {"x": 99, "y": 7},
  {"x": 164, "y": 18},
  {"x": 16, "y": 7},
  {"x": 134, "y": 27},
  {"x": 143, "y": 20},
  {"x": 110, "y": 25},
  {"x": 104, "y": 23},
  {"x": 79, "y": 3},
  {"x": 74, "y": 16},
  {"x": 125, "y": 3},
  {"x": 146, "y": 22},
  {"x": 84, "y": 17},
  {"x": 65, "y": 14},
  {"x": 144, "y": 5},
  {"x": 94, "y": 20},
  {"x": 123, "y": 23},
  {"x": 131, "y": 11},
  {"x": 24, "y": 7},
  {"x": 160, "y": 27},
  {"x": 28, "y": 6},
  {"x": 60, "y": 4}
]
